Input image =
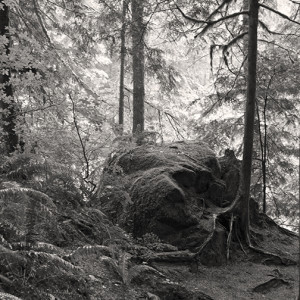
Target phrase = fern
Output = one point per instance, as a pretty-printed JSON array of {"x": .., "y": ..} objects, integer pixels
[
  {"x": 37, "y": 204},
  {"x": 6, "y": 227},
  {"x": 12, "y": 257},
  {"x": 37, "y": 246},
  {"x": 123, "y": 263},
  {"x": 90, "y": 249},
  {"x": 4, "y": 242},
  {"x": 53, "y": 259},
  {"x": 30, "y": 192},
  {"x": 4, "y": 296}
]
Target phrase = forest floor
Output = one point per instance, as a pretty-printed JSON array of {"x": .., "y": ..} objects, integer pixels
[
  {"x": 55, "y": 246},
  {"x": 123, "y": 270},
  {"x": 247, "y": 275}
]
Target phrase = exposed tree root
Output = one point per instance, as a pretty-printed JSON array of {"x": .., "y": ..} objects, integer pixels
[
  {"x": 209, "y": 238},
  {"x": 281, "y": 229},
  {"x": 229, "y": 236},
  {"x": 273, "y": 259},
  {"x": 270, "y": 284}
]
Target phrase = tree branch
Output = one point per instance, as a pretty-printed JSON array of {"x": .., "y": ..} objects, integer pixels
[
  {"x": 36, "y": 8},
  {"x": 218, "y": 8},
  {"x": 190, "y": 18},
  {"x": 80, "y": 138},
  {"x": 266, "y": 28},
  {"x": 87, "y": 171},
  {"x": 213, "y": 22},
  {"x": 232, "y": 42},
  {"x": 279, "y": 13}
]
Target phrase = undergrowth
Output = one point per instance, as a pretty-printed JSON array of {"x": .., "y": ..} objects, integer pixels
[{"x": 44, "y": 225}]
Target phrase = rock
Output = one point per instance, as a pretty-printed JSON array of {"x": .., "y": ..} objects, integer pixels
[
  {"x": 230, "y": 174},
  {"x": 165, "y": 190},
  {"x": 144, "y": 275}
]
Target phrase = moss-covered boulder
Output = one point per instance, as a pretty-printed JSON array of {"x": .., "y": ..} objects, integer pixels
[{"x": 167, "y": 190}]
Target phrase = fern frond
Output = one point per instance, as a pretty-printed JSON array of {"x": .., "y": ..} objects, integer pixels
[
  {"x": 12, "y": 256},
  {"x": 54, "y": 259},
  {"x": 28, "y": 191},
  {"x": 6, "y": 226},
  {"x": 123, "y": 266},
  {"x": 90, "y": 249},
  {"x": 27, "y": 171},
  {"x": 4, "y": 296},
  {"x": 4, "y": 242},
  {"x": 38, "y": 246}
]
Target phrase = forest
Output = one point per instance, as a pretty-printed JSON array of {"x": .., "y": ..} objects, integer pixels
[{"x": 149, "y": 149}]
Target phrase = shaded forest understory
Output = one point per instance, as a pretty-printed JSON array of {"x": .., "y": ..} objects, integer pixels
[
  {"x": 162, "y": 225},
  {"x": 97, "y": 201}
]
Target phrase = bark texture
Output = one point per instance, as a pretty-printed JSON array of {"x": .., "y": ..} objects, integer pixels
[
  {"x": 249, "y": 115},
  {"x": 138, "y": 63},
  {"x": 122, "y": 66}
]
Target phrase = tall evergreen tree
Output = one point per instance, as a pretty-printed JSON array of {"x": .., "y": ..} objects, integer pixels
[
  {"x": 249, "y": 114},
  {"x": 138, "y": 63},
  {"x": 122, "y": 65}
]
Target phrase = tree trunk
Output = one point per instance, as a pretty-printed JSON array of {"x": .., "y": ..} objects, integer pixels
[
  {"x": 264, "y": 160},
  {"x": 138, "y": 31},
  {"x": 122, "y": 68},
  {"x": 7, "y": 105},
  {"x": 249, "y": 116},
  {"x": 299, "y": 210},
  {"x": 245, "y": 27}
]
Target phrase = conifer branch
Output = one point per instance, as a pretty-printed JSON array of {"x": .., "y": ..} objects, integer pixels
[
  {"x": 190, "y": 18},
  {"x": 279, "y": 13},
  {"x": 211, "y": 23},
  {"x": 232, "y": 42},
  {"x": 267, "y": 29},
  {"x": 36, "y": 8},
  {"x": 218, "y": 8}
]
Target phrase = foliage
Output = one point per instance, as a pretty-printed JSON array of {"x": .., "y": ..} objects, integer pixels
[
  {"x": 39, "y": 224},
  {"x": 64, "y": 61},
  {"x": 276, "y": 116}
]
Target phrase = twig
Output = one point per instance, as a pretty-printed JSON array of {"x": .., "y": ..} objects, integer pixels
[
  {"x": 36, "y": 8},
  {"x": 87, "y": 172}
]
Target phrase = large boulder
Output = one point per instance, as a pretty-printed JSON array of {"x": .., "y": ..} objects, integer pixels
[{"x": 166, "y": 190}]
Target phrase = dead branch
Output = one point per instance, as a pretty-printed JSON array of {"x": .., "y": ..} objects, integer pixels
[{"x": 87, "y": 171}]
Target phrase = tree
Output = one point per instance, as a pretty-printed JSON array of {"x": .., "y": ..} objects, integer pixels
[
  {"x": 122, "y": 65},
  {"x": 138, "y": 62},
  {"x": 7, "y": 104},
  {"x": 251, "y": 86},
  {"x": 249, "y": 116}
]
